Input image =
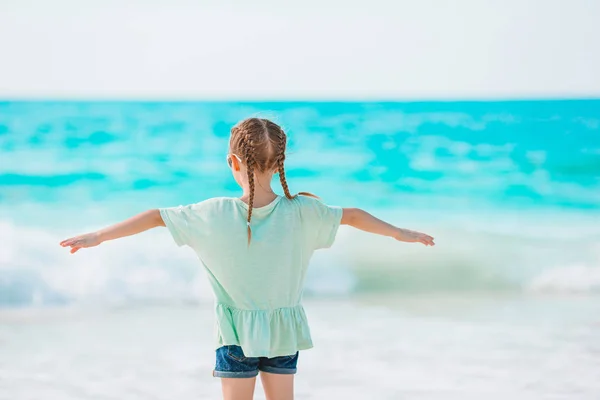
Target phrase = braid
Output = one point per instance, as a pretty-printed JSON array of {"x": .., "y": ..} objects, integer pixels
[
  {"x": 281, "y": 169},
  {"x": 250, "y": 164},
  {"x": 280, "y": 161}
]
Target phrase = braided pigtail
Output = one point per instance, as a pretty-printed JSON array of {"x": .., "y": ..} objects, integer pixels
[
  {"x": 250, "y": 165},
  {"x": 282, "y": 142},
  {"x": 280, "y": 161}
]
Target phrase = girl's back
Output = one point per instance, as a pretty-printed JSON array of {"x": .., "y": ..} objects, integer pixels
[{"x": 258, "y": 288}]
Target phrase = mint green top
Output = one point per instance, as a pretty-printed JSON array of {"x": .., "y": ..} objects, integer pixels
[{"x": 257, "y": 288}]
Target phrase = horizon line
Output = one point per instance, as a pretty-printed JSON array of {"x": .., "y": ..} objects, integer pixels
[{"x": 187, "y": 99}]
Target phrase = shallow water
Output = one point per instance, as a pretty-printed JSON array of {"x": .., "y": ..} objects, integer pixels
[{"x": 384, "y": 347}]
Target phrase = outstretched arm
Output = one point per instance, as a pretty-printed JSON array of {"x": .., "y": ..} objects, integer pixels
[
  {"x": 136, "y": 224},
  {"x": 364, "y": 221}
]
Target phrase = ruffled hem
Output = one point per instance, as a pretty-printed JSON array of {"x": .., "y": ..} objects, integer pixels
[{"x": 263, "y": 333}]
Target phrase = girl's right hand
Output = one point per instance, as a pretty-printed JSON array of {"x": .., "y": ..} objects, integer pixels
[
  {"x": 406, "y": 235},
  {"x": 82, "y": 241}
]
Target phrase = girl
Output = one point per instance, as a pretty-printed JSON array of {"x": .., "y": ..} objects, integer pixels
[{"x": 255, "y": 250}]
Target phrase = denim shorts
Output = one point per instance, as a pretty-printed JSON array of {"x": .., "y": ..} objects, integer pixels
[{"x": 231, "y": 363}]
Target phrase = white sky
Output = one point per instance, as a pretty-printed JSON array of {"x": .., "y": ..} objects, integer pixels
[{"x": 181, "y": 49}]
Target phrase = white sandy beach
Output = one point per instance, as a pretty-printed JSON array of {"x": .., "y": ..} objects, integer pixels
[{"x": 384, "y": 347}]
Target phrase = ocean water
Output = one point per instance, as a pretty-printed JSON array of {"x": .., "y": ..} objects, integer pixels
[
  {"x": 506, "y": 303},
  {"x": 511, "y": 191}
]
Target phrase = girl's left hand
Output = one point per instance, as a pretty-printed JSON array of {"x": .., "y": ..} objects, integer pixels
[
  {"x": 82, "y": 241},
  {"x": 406, "y": 235}
]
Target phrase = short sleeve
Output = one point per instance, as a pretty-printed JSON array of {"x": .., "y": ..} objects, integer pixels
[
  {"x": 322, "y": 222},
  {"x": 182, "y": 222}
]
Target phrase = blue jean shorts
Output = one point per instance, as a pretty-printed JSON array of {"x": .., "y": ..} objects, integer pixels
[{"x": 231, "y": 363}]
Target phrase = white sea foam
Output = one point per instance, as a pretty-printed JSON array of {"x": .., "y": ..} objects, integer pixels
[
  {"x": 570, "y": 279},
  {"x": 35, "y": 270}
]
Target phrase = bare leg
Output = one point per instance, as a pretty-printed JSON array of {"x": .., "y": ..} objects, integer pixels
[
  {"x": 238, "y": 388},
  {"x": 278, "y": 386}
]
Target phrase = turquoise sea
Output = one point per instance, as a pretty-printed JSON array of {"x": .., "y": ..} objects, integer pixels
[
  {"x": 505, "y": 304},
  {"x": 511, "y": 191}
]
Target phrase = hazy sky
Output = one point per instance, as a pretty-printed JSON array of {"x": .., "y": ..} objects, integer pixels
[{"x": 313, "y": 49}]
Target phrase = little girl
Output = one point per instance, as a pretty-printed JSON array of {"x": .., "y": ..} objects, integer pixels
[{"x": 255, "y": 250}]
